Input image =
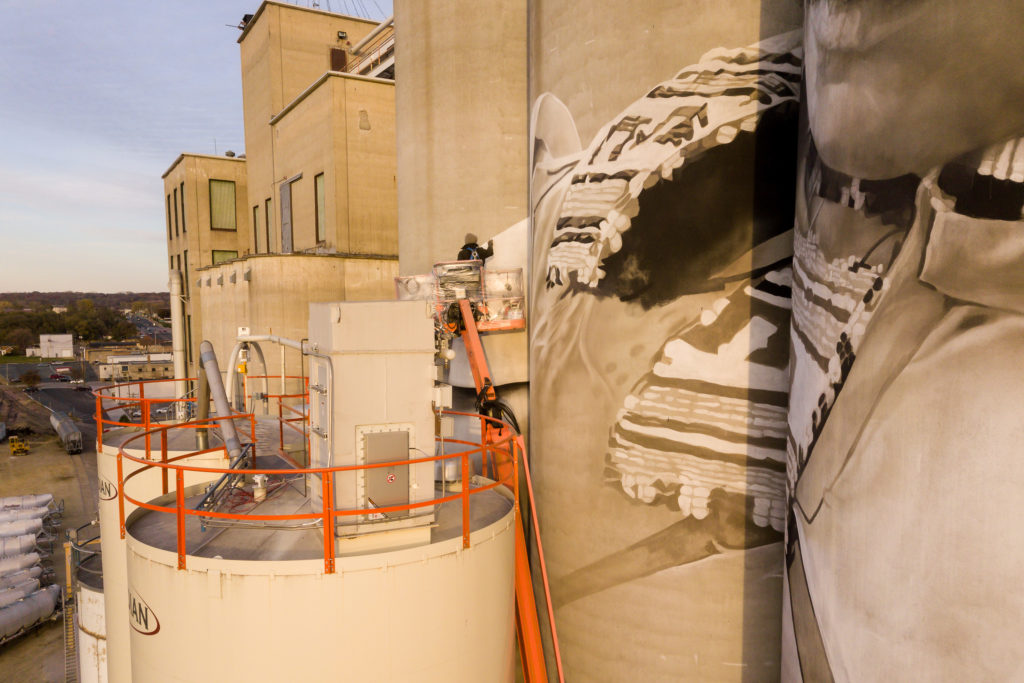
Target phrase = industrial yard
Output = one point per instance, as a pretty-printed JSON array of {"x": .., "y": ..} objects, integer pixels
[{"x": 47, "y": 468}]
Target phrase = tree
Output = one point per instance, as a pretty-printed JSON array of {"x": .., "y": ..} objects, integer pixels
[{"x": 30, "y": 378}]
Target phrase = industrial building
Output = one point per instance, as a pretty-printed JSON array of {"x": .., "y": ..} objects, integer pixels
[{"x": 308, "y": 212}]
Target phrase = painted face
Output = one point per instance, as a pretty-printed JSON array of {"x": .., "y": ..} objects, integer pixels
[{"x": 901, "y": 86}]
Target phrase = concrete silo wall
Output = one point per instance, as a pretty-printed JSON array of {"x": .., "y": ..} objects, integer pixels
[
  {"x": 903, "y": 552},
  {"x": 664, "y": 147}
]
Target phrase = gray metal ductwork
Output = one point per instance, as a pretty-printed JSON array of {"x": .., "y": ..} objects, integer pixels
[{"x": 220, "y": 398}]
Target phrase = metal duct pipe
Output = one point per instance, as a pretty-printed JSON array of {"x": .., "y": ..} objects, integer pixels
[
  {"x": 178, "y": 341},
  {"x": 17, "y": 545},
  {"x": 381, "y": 27},
  {"x": 15, "y": 514},
  {"x": 33, "y": 500},
  {"x": 20, "y": 527},
  {"x": 9, "y": 596},
  {"x": 17, "y": 562},
  {"x": 13, "y": 579},
  {"x": 22, "y": 614},
  {"x": 220, "y": 398},
  {"x": 249, "y": 338},
  {"x": 202, "y": 409}
]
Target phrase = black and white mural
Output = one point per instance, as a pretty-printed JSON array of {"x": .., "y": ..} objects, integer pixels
[
  {"x": 903, "y": 553},
  {"x": 662, "y": 275}
]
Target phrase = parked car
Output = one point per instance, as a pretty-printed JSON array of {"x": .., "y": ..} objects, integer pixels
[
  {"x": 63, "y": 378},
  {"x": 31, "y": 389},
  {"x": 77, "y": 381},
  {"x": 83, "y": 387},
  {"x": 55, "y": 376}
]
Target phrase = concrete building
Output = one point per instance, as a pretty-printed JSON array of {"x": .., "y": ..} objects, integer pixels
[
  {"x": 462, "y": 125},
  {"x": 207, "y": 223},
  {"x": 315, "y": 197},
  {"x": 134, "y": 370},
  {"x": 53, "y": 346}
]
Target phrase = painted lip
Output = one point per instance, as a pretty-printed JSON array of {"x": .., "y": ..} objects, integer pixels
[{"x": 859, "y": 25}]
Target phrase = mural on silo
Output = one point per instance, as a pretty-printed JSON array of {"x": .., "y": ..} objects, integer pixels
[
  {"x": 659, "y": 362},
  {"x": 903, "y": 546}
]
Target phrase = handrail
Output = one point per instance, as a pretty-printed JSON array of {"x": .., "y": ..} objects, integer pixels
[
  {"x": 368, "y": 54},
  {"x": 507, "y": 446}
]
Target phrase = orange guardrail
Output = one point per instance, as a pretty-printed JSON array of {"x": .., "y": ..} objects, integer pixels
[
  {"x": 300, "y": 416},
  {"x": 141, "y": 403},
  {"x": 505, "y": 451}
]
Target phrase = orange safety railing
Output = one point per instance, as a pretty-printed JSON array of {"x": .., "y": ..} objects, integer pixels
[
  {"x": 299, "y": 415},
  {"x": 505, "y": 457},
  {"x": 139, "y": 403},
  {"x": 505, "y": 452}
]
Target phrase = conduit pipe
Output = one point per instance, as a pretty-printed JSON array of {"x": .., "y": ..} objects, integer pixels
[
  {"x": 220, "y": 399},
  {"x": 178, "y": 342}
]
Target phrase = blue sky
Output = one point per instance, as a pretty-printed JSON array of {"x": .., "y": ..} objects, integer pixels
[{"x": 96, "y": 100}]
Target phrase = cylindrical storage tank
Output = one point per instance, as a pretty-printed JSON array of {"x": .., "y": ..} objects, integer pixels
[
  {"x": 92, "y": 633},
  {"x": 17, "y": 562},
  {"x": 434, "y": 612},
  {"x": 28, "y": 611},
  {"x": 20, "y": 527},
  {"x": 148, "y": 484},
  {"x": 11, "y": 546},
  {"x": 32, "y": 500},
  {"x": 664, "y": 147}
]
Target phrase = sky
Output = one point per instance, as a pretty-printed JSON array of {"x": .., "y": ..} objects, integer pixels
[{"x": 97, "y": 100}]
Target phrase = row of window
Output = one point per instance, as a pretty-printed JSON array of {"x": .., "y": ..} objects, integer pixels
[
  {"x": 261, "y": 238},
  {"x": 222, "y": 207}
]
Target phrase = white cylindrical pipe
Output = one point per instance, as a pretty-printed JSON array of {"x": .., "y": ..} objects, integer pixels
[
  {"x": 209, "y": 361},
  {"x": 33, "y": 500},
  {"x": 178, "y": 341},
  {"x": 17, "y": 545},
  {"x": 14, "y": 514},
  {"x": 24, "y": 613},
  {"x": 20, "y": 576},
  {"x": 14, "y": 563},
  {"x": 9, "y": 596},
  {"x": 20, "y": 527}
]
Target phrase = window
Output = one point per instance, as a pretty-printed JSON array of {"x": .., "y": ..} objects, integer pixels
[
  {"x": 175, "y": 212},
  {"x": 222, "y": 205},
  {"x": 221, "y": 255},
  {"x": 267, "y": 213},
  {"x": 183, "y": 207},
  {"x": 185, "y": 254},
  {"x": 179, "y": 263},
  {"x": 321, "y": 214},
  {"x": 168, "y": 218},
  {"x": 256, "y": 229}
]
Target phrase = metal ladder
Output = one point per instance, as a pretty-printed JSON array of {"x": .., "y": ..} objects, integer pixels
[{"x": 67, "y": 604}]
